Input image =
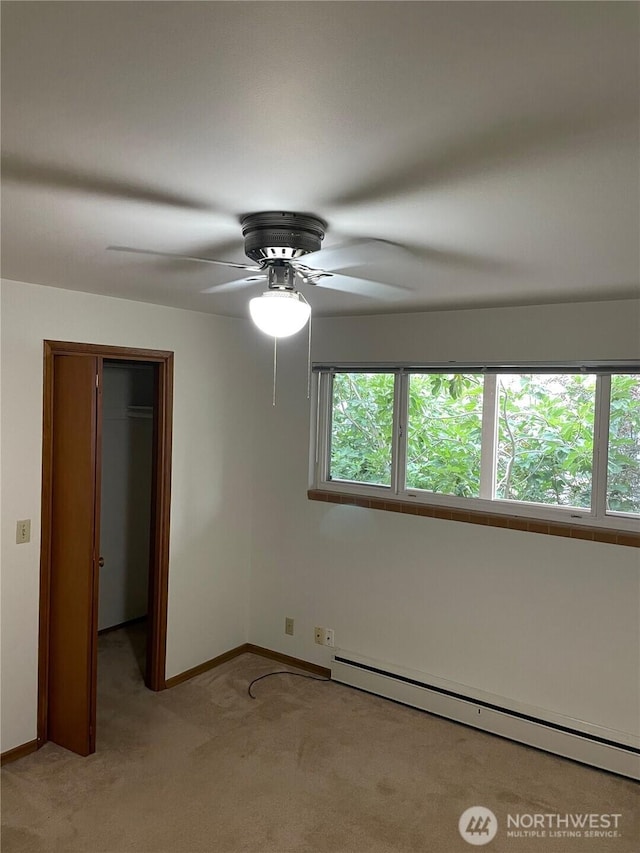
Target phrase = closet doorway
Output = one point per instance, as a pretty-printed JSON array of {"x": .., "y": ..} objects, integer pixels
[
  {"x": 125, "y": 499},
  {"x": 106, "y": 441}
]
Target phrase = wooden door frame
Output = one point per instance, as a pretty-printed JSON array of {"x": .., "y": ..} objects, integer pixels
[{"x": 160, "y": 510}]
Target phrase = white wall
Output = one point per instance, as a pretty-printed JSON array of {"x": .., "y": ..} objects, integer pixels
[
  {"x": 540, "y": 620},
  {"x": 210, "y": 509},
  {"x": 587, "y": 330},
  {"x": 125, "y": 507},
  {"x": 536, "y": 619}
]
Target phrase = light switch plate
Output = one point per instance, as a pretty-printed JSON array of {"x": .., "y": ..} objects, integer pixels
[{"x": 23, "y": 531}]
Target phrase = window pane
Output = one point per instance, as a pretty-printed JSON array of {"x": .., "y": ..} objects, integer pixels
[
  {"x": 361, "y": 427},
  {"x": 623, "y": 480},
  {"x": 545, "y": 438},
  {"x": 444, "y": 433}
]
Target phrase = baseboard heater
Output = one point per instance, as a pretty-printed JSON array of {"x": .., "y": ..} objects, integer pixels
[{"x": 607, "y": 749}]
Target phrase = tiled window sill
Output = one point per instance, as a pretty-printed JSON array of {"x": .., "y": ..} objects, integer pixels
[{"x": 531, "y": 525}]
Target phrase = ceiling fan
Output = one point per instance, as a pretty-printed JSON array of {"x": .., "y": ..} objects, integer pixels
[
  {"x": 276, "y": 242},
  {"x": 286, "y": 247}
]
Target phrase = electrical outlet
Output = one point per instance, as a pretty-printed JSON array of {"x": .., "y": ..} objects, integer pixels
[
  {"x": 323, "y": 636},
  {"x": 23, "y": 531},
  {"x": 288, "y": 626}
]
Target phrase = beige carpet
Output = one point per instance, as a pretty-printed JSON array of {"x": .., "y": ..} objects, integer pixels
[{"x": 306, "y": 766}]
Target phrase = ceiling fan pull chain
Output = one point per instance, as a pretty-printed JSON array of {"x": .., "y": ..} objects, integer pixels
[{"x": 275, "y": 367}]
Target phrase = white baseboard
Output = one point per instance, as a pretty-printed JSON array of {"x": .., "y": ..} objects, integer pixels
[{"x": 607, "y": 749}]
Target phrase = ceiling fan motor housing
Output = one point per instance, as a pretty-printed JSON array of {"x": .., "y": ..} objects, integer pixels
[{"x": 274, "y": 235}]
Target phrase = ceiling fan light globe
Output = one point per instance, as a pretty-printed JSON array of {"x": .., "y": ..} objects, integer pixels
[{"x": 279, "y": 313}]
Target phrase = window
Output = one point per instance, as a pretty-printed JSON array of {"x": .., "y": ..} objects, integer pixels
[
  {"x": 623, "y": 458},
  {"x": 444, "y": 433},
  {"x": 545, "y": 438},
  {"x": 361, "y": 427},
  {"x": 558, "y": 442}
]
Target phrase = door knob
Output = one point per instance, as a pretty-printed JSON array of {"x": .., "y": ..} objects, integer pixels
[{"x": 101, "y": 561}]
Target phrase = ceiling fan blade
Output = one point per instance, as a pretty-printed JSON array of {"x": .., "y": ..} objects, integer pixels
[
  {"x": 478, "y": 153},
  {"x": 350, "y": 254},
  {"x": 375, "y": 251},
  {"x": 183, "y": 257},
  {"x": 472, "y": 261},
  {"x": 219, "y": 249},
  {"x": 360, "y": 286},
  {"x": 237, "y": 284},
  {"x": 59, "y": 177}
]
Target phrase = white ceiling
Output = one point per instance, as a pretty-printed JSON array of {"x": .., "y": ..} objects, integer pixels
[{"x": 499, "y": 141}]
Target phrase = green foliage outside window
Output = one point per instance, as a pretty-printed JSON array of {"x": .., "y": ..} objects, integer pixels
[
  {"x": 544, "y": 451},
  {"x": 444, "y": 434},
  {"x": 361, "y": 427},
  {"x": 623, "y": 482},
  {"x": 545, "y": 438}
]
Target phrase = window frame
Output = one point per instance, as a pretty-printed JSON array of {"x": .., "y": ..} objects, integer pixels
[{"x": 595, "y": 516}]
